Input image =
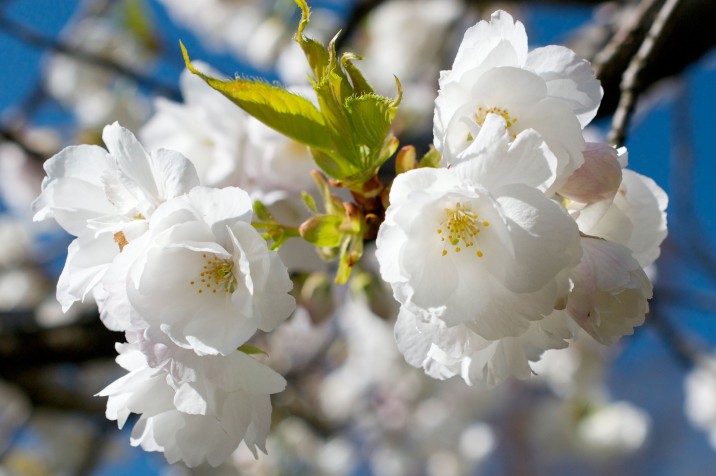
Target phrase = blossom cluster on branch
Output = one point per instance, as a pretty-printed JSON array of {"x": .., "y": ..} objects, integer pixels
[
  {"x": 180, "y": 270},
  {"x": 525, "y": 229},
  {"x": 502, "y": 242}
]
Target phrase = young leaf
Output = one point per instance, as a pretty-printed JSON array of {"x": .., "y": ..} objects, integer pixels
[
  {"x": 290, "y": 114},
  {"x": 360, "y": 85},
  {"x": 315, "y": 52}
]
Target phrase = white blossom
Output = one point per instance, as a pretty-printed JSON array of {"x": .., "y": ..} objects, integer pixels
[
  {"x": 202, "y": 275},
  {"x": 635, "y": 218},
  {"x": 194, "y": 409},
  {"x": 610, "y": 291},
  {"x": 487, "y": 259},
  {"x": 550, "y": 90},
  {"x": 104, "y": 198}
]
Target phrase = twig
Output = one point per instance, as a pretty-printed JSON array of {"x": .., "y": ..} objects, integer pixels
[
  {"x": 627, "y": 38},
  {"x": 34, "y": 38},
  {"x": 11, "y": 136},
  {"x": 631, "y": 81}
]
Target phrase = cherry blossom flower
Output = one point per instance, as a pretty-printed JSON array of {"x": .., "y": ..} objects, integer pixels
[
  {"x": 550, "y": 90},
  {"x": 201, "y": 274},
  {"x": 489, "y": 259},
  {"x": 104, "y": 198},
  {"x": 610, "y": 291},
  {"x": 194, "y": 409},
  {"x": 635, "y": 217}
]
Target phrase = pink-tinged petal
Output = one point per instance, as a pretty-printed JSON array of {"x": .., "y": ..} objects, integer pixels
[
  {"x": 568, "y": 77},
  {"x": 598, "y": 178},
  {"x": 636, "y": 218},
  {"x": 610, "y": 292}
]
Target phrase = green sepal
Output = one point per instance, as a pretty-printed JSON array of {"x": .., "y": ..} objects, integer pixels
[
  {"x": 351, "y": 252},
  {"x": 309, "y": 201},
  {"x": 261, "y": 211},
  {"x": 322, "y": 230},
  {"x": 430, "y": 159},
  {"x": 290, "y": 114},
  {"x": 249, "y": 349}
]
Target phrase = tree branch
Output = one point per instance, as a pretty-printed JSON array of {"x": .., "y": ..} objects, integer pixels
[
  {"x": 632, "y": 82},
  {"x": 33, "y": 38}
]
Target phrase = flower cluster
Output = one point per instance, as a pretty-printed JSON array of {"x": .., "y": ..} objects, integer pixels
[
  {"x": 182, "y": 272},
  {"x": 526, "y": 229}
]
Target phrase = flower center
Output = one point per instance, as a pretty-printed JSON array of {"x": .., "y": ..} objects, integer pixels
[
  {"x": 217, "y": 275},
  {"x": 482, "y": 113},
  {"x": 460, "y": 229}
]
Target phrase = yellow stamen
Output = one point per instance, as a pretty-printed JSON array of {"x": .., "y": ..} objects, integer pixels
[
  {"x": 218, "y": 275},
  {"x": 462, "y": 228}
]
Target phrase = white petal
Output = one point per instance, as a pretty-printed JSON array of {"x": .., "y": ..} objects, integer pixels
[{"x": 568, "y": 77}]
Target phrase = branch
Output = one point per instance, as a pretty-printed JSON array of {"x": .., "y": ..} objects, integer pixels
[
  {"x": 632, "y": 83},
  {"x": 33, "y": 38}
]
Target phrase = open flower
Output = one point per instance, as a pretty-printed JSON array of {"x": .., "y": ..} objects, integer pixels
[
  {"x": 488, "y": 259},
  {"x": 550, "y": 90},
  {"x": 194, "y": 409},
  {"x": 202, "y": 275},
  {"x": 610, "y": 291},
  {"x": 635, "y": 217},
  {"x": 104, "y": 198}
]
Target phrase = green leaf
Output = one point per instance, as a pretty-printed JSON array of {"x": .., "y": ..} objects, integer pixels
[
  {"x": 360, "y": 85},
  {"x": 369, "y": 117},
  {"x": 309, "y": 202},
  {"x": 322, "y": 230},
  {"x": 251, "y": 350},
  {"x": 315, "y": 52},
  {"x": 290, "y": 114}
]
